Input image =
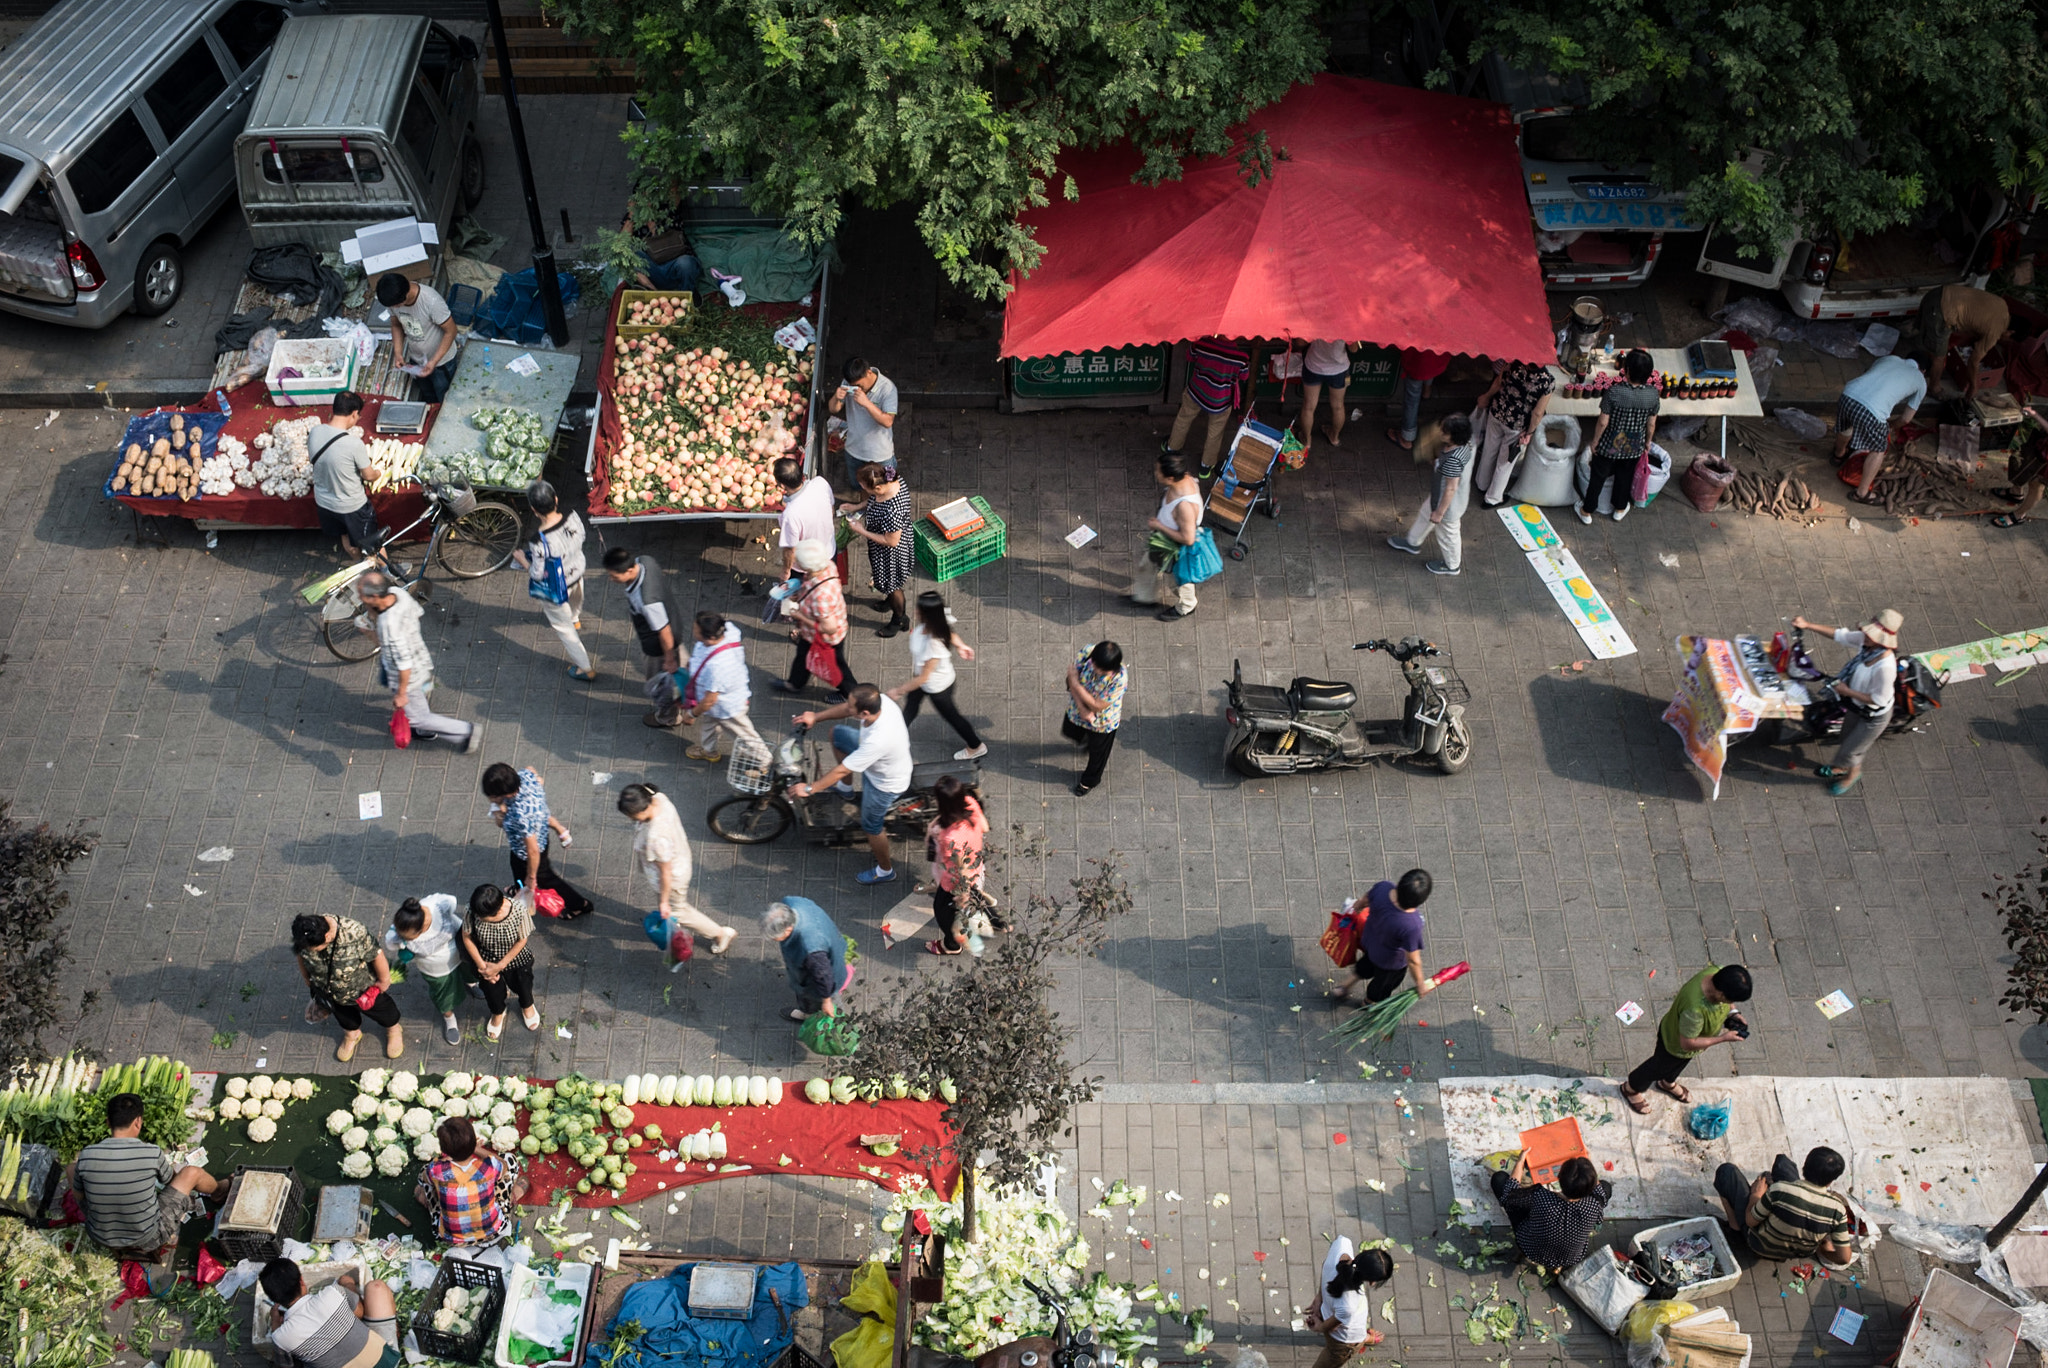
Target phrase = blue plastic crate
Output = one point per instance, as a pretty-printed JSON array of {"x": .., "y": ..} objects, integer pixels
[{"x": 463, "y": 303}]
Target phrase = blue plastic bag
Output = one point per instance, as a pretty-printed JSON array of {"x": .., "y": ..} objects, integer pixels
[
  {"x": 1708, "y": 1121},
  {"x": 1198, "y": 561}
]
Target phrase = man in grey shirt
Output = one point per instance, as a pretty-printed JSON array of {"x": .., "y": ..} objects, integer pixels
[
  {"x": 868, "y": 399},
  {"x": 422, "y": 333},
  {"x": 134, "y": 1197},
  {"x": 1444, "y": 509},
  {"x": 340, "y": 461}
]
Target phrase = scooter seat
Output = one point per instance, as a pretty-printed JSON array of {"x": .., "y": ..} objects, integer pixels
[{"x": 1322, "y": 695}]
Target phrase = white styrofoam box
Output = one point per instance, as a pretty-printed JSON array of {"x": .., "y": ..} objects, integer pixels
[
  {"x": 326, "y": 366},
  {"x": 1724, "y": 1257}
]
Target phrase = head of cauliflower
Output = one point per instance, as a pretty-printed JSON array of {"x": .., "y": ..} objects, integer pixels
[
  {"x": 231, "y": 1110},
  {"x": 391, "y": 1111},
  {"x": 372, "y": 1081},
  {"x": 487, "y": 1085},
  {"x": 303, "y": 1089},
  {"x": 238, "y": 1087},
  {"x": 444, "y": 1320},
  {"x": 431, "y": 1098},
  {"x": 458, "y": 1084},
  {"x": 262, "y": 1130},
  {"x": 391, "y": 1161},
  {"x": 260, "y": 1087},
  {"x": 356, "y": 1164},
  {"x": 365, "y": 1106},
  {"x": 339, "y": 1121},
  {"x": 272, "y": 1108},
  {"x": 455, "y": 1299},
  {"x": 355, "y": 1138},
  {"x": 502, "y": 1114},
  {"x": 455, "y": 1106},
  {"x": 403, "y": 1086},
  {"x": 384, "y": 1135},
  {"x": 426, "y": 1148},
  {"x": 417, "y": 1122},
  {"x": 505, "y": 1140},
  {"x": 513, "y": 1089}
]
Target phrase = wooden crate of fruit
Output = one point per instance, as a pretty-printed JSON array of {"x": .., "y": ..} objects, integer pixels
[{"x": 646, "y": 311}]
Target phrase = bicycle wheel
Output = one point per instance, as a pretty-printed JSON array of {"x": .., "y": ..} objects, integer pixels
[
  {"x": 746, "y": 820},
  {"x": 480, "y": 541},
  {"x": 346, "y": 626}
]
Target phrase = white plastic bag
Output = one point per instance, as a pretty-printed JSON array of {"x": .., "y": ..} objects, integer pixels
[
  {"x": 355, "y": 332},
  {"x": 1605, "y": 1287},
  {"x": 1546, "y": 475}
]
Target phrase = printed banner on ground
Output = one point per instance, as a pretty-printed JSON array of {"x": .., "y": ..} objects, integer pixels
[
  {"x": 1559, "y": 570},
  {"x": 1973, "y": 660}
]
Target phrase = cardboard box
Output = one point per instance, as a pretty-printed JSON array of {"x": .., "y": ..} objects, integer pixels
[
  {"x": 326, "y": 367},
  {"x": 392, "y": 245}
]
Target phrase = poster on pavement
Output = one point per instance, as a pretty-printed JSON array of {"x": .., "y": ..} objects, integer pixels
[
  {"x": 2013, "y": 651},
  {"x": 1561, "y": 574},
  {"x": 1713, "y": 703}
]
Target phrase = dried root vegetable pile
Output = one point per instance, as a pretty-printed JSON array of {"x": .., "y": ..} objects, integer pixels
[
  {"x": 1776, "y": 494},
  {"x": 168, "y": 467},
  {"x": 705, "y": 407}
]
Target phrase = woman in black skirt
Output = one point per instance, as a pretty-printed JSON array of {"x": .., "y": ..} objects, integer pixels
[{"x": 884, "y": 520}]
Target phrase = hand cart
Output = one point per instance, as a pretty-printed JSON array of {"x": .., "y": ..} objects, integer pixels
[{"x": 1246, "y": 482}]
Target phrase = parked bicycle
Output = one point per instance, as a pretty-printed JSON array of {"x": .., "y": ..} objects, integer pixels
[{"x": 468, "y": 537}]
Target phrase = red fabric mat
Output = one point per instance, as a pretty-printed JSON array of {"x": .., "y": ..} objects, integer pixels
[
  {"x": 821, "y": 1141},
  {"x": 251, "y": 414},
  {"x": 610, "y": 432}
]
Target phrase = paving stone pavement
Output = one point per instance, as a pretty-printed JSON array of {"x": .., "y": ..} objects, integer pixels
[{"x": 173, "y": 698}]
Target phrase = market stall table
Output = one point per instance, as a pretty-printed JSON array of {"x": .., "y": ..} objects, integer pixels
[
  {"x": 1726, "y": 689},
  {"x": 497, "y": 375},
  {"x": 1744, "y": 403},
  {"x": 250, "y": 413}
]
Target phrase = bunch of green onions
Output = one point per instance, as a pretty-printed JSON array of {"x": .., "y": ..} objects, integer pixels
[{"x": 1377, "y": 1021}]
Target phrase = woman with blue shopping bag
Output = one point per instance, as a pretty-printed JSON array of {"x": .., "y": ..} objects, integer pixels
[
  {"x": 1178, "y": 546},
  {"x": 554, "y": 565}
]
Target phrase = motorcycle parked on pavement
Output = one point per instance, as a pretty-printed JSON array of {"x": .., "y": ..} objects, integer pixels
[{"x": 1309, "y": 725}]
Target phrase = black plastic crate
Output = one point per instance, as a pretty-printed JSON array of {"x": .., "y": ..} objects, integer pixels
[
  {"x": 253, "y": 1244},
  {"x": 479, "y": 1280}
]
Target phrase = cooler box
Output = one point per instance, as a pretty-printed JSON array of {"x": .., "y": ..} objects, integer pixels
[{"x": 325, "y": 367}]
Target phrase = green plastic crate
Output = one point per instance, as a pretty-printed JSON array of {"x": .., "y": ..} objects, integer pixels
[{"x": 943, "y": 560}]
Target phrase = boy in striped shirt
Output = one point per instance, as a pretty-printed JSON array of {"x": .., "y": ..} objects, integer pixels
[{"x": 1791, "y": 1213}]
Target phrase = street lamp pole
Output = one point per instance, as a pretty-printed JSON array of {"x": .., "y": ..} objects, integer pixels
[{"x": 543, "y": 251}]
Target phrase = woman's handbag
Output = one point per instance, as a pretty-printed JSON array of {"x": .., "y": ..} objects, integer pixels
[
  {"x": 663, "y": 248},
  {"x": 1199, "y": 561},
  {"x": 822, "y": 661},
  {"x": 553, "y": 584},
  {"x": 401, "y": 728},
  {"x": 1340, "y": 941}
]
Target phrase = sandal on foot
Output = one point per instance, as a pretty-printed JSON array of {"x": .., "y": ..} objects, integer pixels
[
  {"x": 1842, "y": 786},
  {"x": 1677, "y": 1092},
  {"x": 795, "y": 1014},
  {"x": 1637, "y": 1103},
  {"x": 1398, "y": 440},
  {"x": 495, "y": 1029},
  {"x": 2009, "y": 520},
  {"x": 939, "y": 947},
  {"x": 394, "y": 1043},
  {"x": 530, "y": 1018},
  {"x": 1828, "y": 772},
  {"x": 346, "y": 1051}
]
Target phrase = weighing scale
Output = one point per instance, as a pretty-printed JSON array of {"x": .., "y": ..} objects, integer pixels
[
  {"x": 343, "y": 1213},
  {"x": 956, "y": 519},
  {"x": 261, "y": 1212},
  {"x": 405, "y": 417},
  {"x": 722, "y": 1291},
  {"x": 1711, "y": 359}
]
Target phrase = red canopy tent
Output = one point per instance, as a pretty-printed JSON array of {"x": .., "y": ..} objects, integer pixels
[{"x": 1398, "y": 218}]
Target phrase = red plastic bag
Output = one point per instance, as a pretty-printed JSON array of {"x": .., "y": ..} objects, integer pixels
[
  {"x": 401, "y": 728},
  {"x": 211, "y": 1270},
  {"x": 549, "y": 903},
  {"x": 822, "y": 661}
]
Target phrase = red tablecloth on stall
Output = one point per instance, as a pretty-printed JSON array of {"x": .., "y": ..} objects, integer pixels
[
  {"x": 821, "y": 1141},
  {"x": 610, "y": 432},
  {"x": 251, "y": 414}
]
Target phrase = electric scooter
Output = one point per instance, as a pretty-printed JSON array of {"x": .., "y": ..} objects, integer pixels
[{"x": 1308, "y": 725}]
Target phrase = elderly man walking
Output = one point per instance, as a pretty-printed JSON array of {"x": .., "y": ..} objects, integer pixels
[
  {"x": 813, "y": 955},
  {"x": 407, "y": 666},
  {"x": 717, "y": 686}
]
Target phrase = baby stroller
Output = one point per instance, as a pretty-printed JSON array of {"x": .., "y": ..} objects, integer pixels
[{"x": 1246, "y": 481}]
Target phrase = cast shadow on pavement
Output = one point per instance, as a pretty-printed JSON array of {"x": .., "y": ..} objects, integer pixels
[
  {"x": 1596, "y": 732},
  {"x": 2027, "y": 730}
]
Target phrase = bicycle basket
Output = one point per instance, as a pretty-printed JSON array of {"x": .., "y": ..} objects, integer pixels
[
  {"x": 1446, "y": 682},
  {"x": 458, "y": 496},
  {"x": 748, "y": 770}
]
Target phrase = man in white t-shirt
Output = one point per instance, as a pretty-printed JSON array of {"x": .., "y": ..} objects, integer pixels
[
  {"x": 806, "y": 509},
  {"x": 879, "y": 751}
]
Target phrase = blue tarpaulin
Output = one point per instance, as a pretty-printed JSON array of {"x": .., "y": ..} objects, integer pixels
[{"x": 671, "y": 1335}]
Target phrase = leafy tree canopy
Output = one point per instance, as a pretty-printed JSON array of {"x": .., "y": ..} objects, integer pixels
[
  {"x": 961, "y": 106},
  {"x": 1865, "y": 112}
]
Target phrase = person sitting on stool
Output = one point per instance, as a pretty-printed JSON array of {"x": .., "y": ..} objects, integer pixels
[
  {"x": 1791, "y": 1213},
  {"x": 134, "y": 1197}
]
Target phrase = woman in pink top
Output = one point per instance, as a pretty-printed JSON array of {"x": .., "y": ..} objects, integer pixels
[{"x": 955, "y": 845}]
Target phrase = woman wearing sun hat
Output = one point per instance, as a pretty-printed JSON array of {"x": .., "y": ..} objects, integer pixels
[{"x": 1866, "y": 684}]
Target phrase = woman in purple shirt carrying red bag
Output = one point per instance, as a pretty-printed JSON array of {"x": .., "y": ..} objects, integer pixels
[{"x": 1390, "y": 943}]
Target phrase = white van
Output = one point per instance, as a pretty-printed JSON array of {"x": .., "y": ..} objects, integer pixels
[
  {"x": 117, "y": 133},
  {"x": 1880, "y": 275},
  {"x": 1598, "y": 225}
]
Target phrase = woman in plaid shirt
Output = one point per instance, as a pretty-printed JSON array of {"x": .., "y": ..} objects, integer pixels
[{"x": 468, "y": 1190}]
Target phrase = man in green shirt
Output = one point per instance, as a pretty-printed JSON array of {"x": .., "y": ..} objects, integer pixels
[{"x": 1700, "y": 1017}]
